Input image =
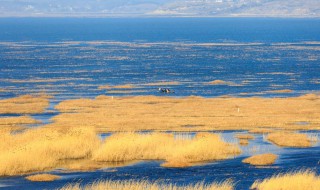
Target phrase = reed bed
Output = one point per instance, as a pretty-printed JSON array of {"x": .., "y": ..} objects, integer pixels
[
  {"x": 43, "y": 149},
  {"x": 9, "y": 124},
  {"x": 244, "y": 136},
  {"x": 221, "y": 82},
  {"x": 109, "y": 114},
  {"x": 26, "y": 104},
  {"x": 160, "y": 146},
  {"x": 244, "y": 142},
  {"x": 287, "y": 139},
  {"x": 139, "y": 185},
  {"x": 301, "y": 180},
  {"x": 260, "y": 131},
  {"x": 43, "y": 177},
  {"x": 125, "y": 86},
  {"x": 261, "y": 159},
  {"x": 283, "y": 91}
]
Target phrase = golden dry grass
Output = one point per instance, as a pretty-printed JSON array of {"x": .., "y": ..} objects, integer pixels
[
  {"x": 125, "y": 86},
  {"x": 302, "y": 180},
  {"x": 244, "y": 136},
  {"x": 79, "y": 149},
  {"x": 3, "y": 90},
  {"x": 139, "y": 185},
  {"x": 160, "y": 146},
  {"x": 42, "y": 177},
  {"x": 26, "y": 104},
  {"x": 244, "y": 142},
  {"x": 260, "y": 131},
  {"x": 8, "y": 124},
  {"x": 44, "y": 148},
  {"x": 221, "y": 82},
  {"x": 261, "y": 159},
  {"x": 280, "y": 91},
  {"x": 166, "y": 113},
  {"x": 288, "y": 139}
]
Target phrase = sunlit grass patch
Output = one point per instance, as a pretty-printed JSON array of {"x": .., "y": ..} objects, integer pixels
[
  {"x": 221, "y": 82},
  {"x": 261, "y": 160},
  {"x": 42, "y": 177},
  {"x": 301, "y": 180},
  {"x": 140, "y": 185},
  {"x": 283, "y": 91},
  {"x": 3, "y": 90},
  {"x": 9, "y": 124},
  {"x": 43, "y": 149},
  {"x": 244, "y": 142},
  {"x": 26, "y": 104},
  {"x": 260, "y": 131},
  {"x": 288, "y": 139},
  {"x": 244, "y": 139},
  {"x": 160, "y": 146},
  {"x": 125, "y": 86},
  {"x": 244, "y": 136},
  {"x": 108, "y": 113}
]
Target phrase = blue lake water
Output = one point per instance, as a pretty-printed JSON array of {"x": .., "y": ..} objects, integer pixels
[{"x": 71, "y": 58}]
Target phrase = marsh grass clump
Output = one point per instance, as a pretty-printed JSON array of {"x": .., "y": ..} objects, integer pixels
[
  {"x": 244, "y": 139},
  {"x": 301, "y": 180},
  {"x": 244, "y": 136},
  {"x": 261, "y": 160},
  {"x": 135, "y": 113},
  {"x": 260, "y": 131},
  {"x": 42, "y": 177},
  {"x": 203, "y": 147},
  {"x": 44, "y": 148},
  {"x": 289, "y": 139},
  {"x": 125, "y": 86},
  {"x": 10, "y": 124},
  {"x": 283, "y": 91},
  {"x": 139, "y": 185},
  {"x": 221, "y": 82},
  {"x": 26, "y": 104},
  {"x": 244, "y": 142}
]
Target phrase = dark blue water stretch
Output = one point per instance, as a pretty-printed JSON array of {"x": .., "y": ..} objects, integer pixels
[{"x": 71, "y": 58}]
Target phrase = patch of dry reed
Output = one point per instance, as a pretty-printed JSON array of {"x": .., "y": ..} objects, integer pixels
[
  {"x": 244, "y": 136},
  {"x": 26, "y": 104},
  {"x": 288, "y": 139},
  {"x": 166, "y": 113},
  {"x": 8, "y": 124},
  {"x": 301, "y": 180},
  {"x": 125, "y": 86},
  {"x": 221, "y": 82},
  {"x": 44, "y": 148},
  {"x": 160, "y": 146},
  {"x": 139, "y": 185},
  {"x": 244, "y": 142},
  {"x": 260, "y": 131},
  {"x": 42, "y": 177},
  {"x": 280, "y": 91},
  {"x": 261, "y": 159}
]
